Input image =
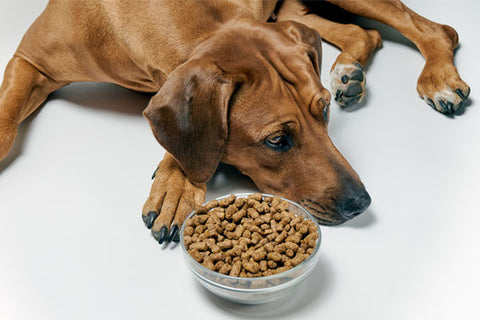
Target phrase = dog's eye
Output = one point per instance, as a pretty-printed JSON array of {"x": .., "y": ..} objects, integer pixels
[{"x": 279, "y": 142}]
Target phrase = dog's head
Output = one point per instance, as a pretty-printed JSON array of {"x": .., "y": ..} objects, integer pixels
[{"x": 251, "y": 97}]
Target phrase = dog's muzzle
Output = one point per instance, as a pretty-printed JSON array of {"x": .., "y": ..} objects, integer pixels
[{"x": 331, "y": 211}]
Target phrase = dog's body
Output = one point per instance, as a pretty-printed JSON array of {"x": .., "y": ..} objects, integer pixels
[{"x": 230, "y": 87}]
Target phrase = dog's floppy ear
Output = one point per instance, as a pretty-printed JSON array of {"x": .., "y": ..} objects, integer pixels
[
  {"x": 188, "y": 116},
  {"x": 305, "y": 36}
]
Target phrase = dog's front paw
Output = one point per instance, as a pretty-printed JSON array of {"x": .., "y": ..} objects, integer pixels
[
  {"x": 348, "y": 83},
  {"x": 442, "y": 89},
  {"x": 172, "y": 197}
]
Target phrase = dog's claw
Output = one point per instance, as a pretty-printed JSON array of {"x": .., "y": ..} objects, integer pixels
[
  {"x": 345, "y": 79},
  {"x": 338, "y": 94},
  {"x": 154, "y": 173},
  {"x": 162, "y": 234},
  {"x": 173, "y": 233},
  {"x": 177, "y": 237},
  {"x": 444, "y": 106},
  {"x": 149, "y": 219},
  {"x": 450, "y": 106},
  {"x": 460, "y": 105}
]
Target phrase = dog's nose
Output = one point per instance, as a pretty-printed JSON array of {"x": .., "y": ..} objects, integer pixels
[{"x": 352, "y": 206}]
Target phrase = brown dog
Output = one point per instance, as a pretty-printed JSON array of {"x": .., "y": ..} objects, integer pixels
[{"x": 230, "y": 87}]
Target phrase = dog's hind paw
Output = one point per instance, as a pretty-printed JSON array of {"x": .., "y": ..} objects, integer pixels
[
  {"x": 442, "y": 89},
  {"x": 348, "y": 83}
]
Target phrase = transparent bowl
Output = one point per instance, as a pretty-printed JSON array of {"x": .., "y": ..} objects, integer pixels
[{"x": 254, "y": 290}]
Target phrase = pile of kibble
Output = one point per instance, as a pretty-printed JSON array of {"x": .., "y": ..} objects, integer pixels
[{"x": 249, "y": 237}]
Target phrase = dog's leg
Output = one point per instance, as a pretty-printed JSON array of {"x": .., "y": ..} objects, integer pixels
[
  {"x": 172, "y": 198},
  {"x": 439, "y": 83},
  {"x": 23, "y": 90},
  {"x": 356, "y": 44}
]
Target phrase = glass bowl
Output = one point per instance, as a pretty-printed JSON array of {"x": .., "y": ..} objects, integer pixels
[{"x": 253, "y": 290}]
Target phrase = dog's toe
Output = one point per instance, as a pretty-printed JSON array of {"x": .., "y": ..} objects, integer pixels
[
  {"x": 149, "y": 218},
  {"x": 162, "y": 235},
  {"x": 348, "y": 83}
]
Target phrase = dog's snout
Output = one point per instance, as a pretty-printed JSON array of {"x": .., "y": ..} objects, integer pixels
[{"x": 354, "y": 205}]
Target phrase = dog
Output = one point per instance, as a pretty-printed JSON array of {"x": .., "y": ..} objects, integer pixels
[{"x": 233, "y": 81}]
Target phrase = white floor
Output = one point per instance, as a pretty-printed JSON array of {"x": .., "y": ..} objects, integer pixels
[{"x": 73, "y": 245}]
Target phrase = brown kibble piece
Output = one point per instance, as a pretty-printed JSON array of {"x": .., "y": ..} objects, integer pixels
[
  {"x": 275, "y": 256},
  {"x": 236, "y": 267},
  {"x": 259, "y": 207},
  {"x": 234, "y": 252},
  {"x": 220, "y": 214},
  {"x": 225, "y": 244},
  {"x": 292, "y": 246},
  {"x": 225, "y": 269},
  {"x": 211, "y": 204},
  {"x": 255, "y": 196},
  {"x": 218, "y": 256},
  {"x": 188, "y": 231},
  {"x": 281, "y": 237},
  {"x": 225, "y": 202},
  {"x": 219, "y": 265},
  {"x": 199, "y": 229},
  {"x": 269, "y": 247},
  {"x": 263, "y": 265},
  {"x": 199, "y": 219},
  {"x": 200, "y": 246},
  {"x": 196, "y": 255},
  {"x": 272, "y": 264},
  {"x": 201, "y": 210},
  {"x": 252, "y": 213},
  {"x": 297, "y": 260},
  {"x": 207, "y": 262},
  {"x": 280, "y": 248},
  {"x": 230, "y": 211},
  {"x": 289, "y": 253},
  {"x": 259, "y": 254},
  {"x": 230, "y": 227},
  {"x": 251, "y": 266},
  {"x": 270, "y": 235},
  {"x": 238, "y": 215}
]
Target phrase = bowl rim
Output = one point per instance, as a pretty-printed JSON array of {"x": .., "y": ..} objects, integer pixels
[{"x": 311, "y": 257}]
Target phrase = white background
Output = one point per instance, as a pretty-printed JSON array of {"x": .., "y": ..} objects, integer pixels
[{"x": 73, "y": 245}]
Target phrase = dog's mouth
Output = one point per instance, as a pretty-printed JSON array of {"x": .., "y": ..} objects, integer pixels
[{"x": 324, "y": 214}]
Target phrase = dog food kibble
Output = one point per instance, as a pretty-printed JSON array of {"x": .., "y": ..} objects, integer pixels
[{"x": 249, "y": 237}]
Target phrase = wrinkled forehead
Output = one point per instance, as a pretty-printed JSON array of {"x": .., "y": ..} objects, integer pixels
[{"x": 272, "y": 99}]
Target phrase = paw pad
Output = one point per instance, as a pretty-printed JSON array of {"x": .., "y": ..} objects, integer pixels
[{"x": 348, "y": 83}]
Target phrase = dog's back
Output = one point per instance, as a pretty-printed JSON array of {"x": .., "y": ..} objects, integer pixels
[{"x": 92, "y": 38}]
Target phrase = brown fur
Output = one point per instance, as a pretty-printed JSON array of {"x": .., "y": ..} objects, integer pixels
[{"x": 227, "y": 84}]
